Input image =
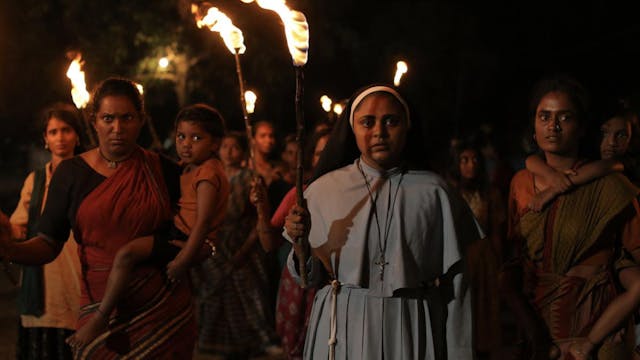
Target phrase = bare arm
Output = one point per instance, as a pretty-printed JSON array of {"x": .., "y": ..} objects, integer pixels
[
  {"x": 556, "y": 179},
  {"x": 35, "y": 251},
  {"x": 539, "y": 167},
  {"x": 258, "y": 197},
  {"x": 621, "y": 307},
  {"x": 595, "y": 169},
  {"x": 613, "y": 316},
  {"x": 206, "y": 195}
]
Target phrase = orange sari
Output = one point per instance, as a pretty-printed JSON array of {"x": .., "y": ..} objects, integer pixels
[{"x": 154, "y": 319}]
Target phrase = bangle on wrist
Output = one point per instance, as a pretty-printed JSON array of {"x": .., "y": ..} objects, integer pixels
[{"x": 212, "y": 246}]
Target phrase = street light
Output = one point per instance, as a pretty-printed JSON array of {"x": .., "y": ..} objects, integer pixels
[{"x": 163, "y": 62}]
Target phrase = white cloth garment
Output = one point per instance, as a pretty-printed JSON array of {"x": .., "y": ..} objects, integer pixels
[{"x": 422, "y": 229}]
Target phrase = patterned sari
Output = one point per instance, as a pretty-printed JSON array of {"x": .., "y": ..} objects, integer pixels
[
  {"x": 592, "y": 225},
  {"x": 234, "y": 312},
  {"x": 154, "y": 319}
]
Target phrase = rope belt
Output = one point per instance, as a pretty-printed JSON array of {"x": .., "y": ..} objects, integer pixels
[
  {"x": 437, "y": 310},
  {"x": 335, "y": 287}
]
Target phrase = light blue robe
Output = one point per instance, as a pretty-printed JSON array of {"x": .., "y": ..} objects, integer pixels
[{"x": 428, "y": 229}]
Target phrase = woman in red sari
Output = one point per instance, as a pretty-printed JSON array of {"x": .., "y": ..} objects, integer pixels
[
  {"x": 108, "y": 196},
  {"x": 576, "y": 258}
]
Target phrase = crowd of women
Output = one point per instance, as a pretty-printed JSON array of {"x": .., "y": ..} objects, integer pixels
[{"x": 208, "y": 254}]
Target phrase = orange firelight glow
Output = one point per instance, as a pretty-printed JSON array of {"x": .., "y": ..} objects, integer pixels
[
  {"x": 217, "y": 21},
  {"x": 401, "y": 69},
  {"x": 250, "y": 98},
  {"x": 79, "y": 91},
  {"x": 296, "y": 28},
  {"x": 326, "y": 103}
]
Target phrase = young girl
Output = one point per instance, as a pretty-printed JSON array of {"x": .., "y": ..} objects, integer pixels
[{"x": 204, "y": 192}]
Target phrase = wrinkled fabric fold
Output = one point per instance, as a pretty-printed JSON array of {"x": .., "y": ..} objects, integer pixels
[{"x": 153, "y": 319}]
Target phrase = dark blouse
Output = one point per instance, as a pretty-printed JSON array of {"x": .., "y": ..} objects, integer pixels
[{"x": 73, "y": 180}]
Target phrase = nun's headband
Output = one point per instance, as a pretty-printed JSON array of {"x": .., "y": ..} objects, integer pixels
[{"x": 375, "y": 89}]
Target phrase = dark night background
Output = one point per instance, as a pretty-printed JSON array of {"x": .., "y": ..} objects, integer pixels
[{"x": 471, "y": 64}]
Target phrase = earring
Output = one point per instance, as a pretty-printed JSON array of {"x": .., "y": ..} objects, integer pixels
[
  {"x": 46, "y": 146},
  {"x": 534, "y": 136}
]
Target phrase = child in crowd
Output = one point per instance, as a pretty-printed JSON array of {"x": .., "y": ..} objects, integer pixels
[{"x": 204, "y": 193}]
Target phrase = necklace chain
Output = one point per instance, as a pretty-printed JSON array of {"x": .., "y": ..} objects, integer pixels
[
  {"x": 382, "y": 241},
  {"x": 112, "y": 164}
]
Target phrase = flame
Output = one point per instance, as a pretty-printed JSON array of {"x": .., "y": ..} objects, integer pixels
[
  {"x": 326, "y": 103},
  {"x": 217, "y": 21},
  {"x": 78, "y": 86},
  {"x": 296, "y": 28},
  {"x": 337, "y": 108},
  {"x": 401, "y": 69},
  {"x": 250, "y": 99}
]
